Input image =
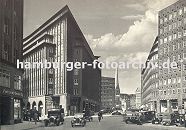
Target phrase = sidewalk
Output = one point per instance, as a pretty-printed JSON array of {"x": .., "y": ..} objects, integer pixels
[
  {"x": 166, "y": 127},
  {"x": 26, "y": 125}
]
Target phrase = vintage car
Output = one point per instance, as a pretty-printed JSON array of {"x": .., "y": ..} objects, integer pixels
[
  {"x": 88, "y": 115},
  {"x": 78, "y": 120},
  {"x": 147, "y": 116},
  {"x": 179, "y": 119},
  {"x": 168, "y": 119},
  {"x": 116, "y": 113},
  {"x": 157, "y": 119},
  {"x": 88, "y": 118},
  {"x": 55, "y": 116},
  {"x": 132, "y": 117}
]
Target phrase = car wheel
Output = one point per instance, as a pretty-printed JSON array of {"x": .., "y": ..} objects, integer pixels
[
  {"x": 46, "y": 123},
  {"x": 126, "y": 122},
  {"x": 72, "y": 125},
  {"x": 57, "y": 123}
]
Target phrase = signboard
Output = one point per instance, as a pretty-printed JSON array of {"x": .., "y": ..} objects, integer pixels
[{"x": 7, "y": 91}]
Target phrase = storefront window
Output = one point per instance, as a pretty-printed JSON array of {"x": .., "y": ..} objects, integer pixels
[{"x": 17, "y": 109}]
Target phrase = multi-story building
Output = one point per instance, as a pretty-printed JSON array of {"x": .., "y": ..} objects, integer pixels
[
  {"x": 172, "y": 47},
  {"x": 138, "y": 98},
  {"x": 60, "y": 40},
  {"x": 149, "y": 79},
  {"x": 107, "y": 93},
  {"x": 128, "y": 101},
  {"x": 125, "y": 101},
  {"x": 132, "y": 100},
  {"x": 11, "y": 35}
]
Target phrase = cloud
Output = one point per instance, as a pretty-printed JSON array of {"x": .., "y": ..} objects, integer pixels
[
  {"x": 132, "y": 17},
  {"x": 136, "y": 6},
  {"x": 133, "y": 45}
]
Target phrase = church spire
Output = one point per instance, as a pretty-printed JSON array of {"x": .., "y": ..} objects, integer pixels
[
  {"x": 117, "y": 91},
  {"x": 116, "y": 80}
]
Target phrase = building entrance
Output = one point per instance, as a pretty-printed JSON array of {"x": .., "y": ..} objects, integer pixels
[{"x": 5, "y": 110}]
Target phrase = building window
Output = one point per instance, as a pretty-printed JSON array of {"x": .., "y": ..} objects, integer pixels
[
  {"x": 165, "y": 19},
  {"x": 184, "y": 55},
  {"x": 173, "y": 47},
  {"x": 184, "y": 32},
  {"x": 76, "y": 71},
  {"x": 175, "y": 14},
  {"x": 17, "y": 82},
  {"x": 179, "y": 23},
  {"x": 4, "y": 78},
  {"x": 166, "y": 29},
  {"x": 173, "y": 91},
  {"x": 180, "y": 12},
  {"x": 161, "y": 31},
  {"x": 174, "y": 36},
  {"x": 184, "y": 44},
  {"x": 169, "y": 81},
  {"x": 179, "y": 57},
  {"x": 170, "y": 27},
  {"x": 50, "y": 71},
  {"x": 17, "y": 109},
  {"x": 170, "y": 38},
  {"x": 184, "y": 20},
  {"x": 174, "y": 58},
  {"x": 184, "y": 9},
  {"x": 75, "y": 91},
  {"x": 179, "y": 45},
  {"x": 75, "y": 81},
  {"x": 50, "y": 80},
  {"x": 161, "y": 41},
  {"x": 170, "y": 16},
  {"x": 161, "y": 21},
  {"x": 174, "y": 25},
  {"x": 165, "y": 40},
  {"x": 6, "y": 27},
  {"x": 179, "y": 34}
]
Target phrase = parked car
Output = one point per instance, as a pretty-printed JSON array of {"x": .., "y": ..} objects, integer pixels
[
  {"x": 179, "y": 119},
  {"x": 132, "y": 117},
  {"x": 147, "y": 116},
  {"x": 116, "y": 113},
  {"x": 78, "y": 120},
  {"x": 157, "y": 118},
  {"x": 55, "y": 116},
  {"x": 88, "y": 115},
  {"x": 168, "y": 119}
]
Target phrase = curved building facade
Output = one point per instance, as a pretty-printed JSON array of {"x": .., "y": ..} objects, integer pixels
[{"x": 149, "y": 79}]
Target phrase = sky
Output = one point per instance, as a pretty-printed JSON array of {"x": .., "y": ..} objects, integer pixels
[{"x": 116, "y": 30}]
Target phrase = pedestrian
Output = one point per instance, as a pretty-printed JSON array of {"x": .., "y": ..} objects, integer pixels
[
  {"x": 99, "y": 116},
  {"x": 35, "y": 117}
]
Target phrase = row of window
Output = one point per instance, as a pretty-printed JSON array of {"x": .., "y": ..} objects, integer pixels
[
  {"x": 173, "y": 58},
  {"x": 174, "y": 91},
  {"x": 174, "y": 36},
  {"x": 171, "y": 81},
  {"x": 174, "y": 47},
  {"x": 173, "y": 15},
  {"x": 172, "y": 26}
]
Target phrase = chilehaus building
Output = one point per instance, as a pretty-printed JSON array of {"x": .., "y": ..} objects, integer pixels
[{"x": 60, "y": 40}]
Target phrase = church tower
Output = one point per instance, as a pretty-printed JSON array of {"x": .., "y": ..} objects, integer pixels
[{"x": 117, "y": 91}]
